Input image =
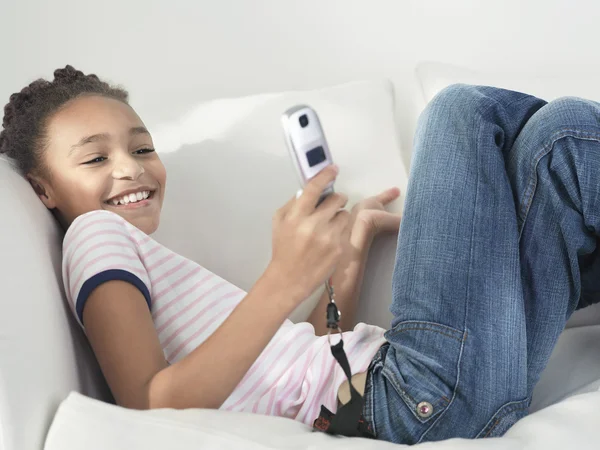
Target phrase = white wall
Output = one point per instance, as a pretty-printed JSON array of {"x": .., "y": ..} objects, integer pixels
[{"x": 171, "y": 54}]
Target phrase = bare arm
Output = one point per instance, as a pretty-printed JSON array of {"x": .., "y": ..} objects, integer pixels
[
  {"x": 307, "y": 245},
  {"x": 368, "y": 219},
  {"x": 122, "y": 334},
  {"x": 347, "y": 282}
]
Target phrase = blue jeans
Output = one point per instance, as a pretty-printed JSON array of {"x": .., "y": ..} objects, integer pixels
[{"x": 496, "y": 250}]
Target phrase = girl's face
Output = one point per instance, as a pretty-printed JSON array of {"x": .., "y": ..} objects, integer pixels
[{"x": 100, "y": 156}]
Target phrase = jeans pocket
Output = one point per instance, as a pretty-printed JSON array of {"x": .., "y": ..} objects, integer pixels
[{"x": 422, "y": 365}]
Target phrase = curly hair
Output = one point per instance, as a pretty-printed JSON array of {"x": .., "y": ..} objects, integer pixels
[{"x": 26, "y": 115}]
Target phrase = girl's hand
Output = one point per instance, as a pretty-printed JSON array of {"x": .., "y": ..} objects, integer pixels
[
  {"x": 367, "y": 219},
  {"x": 370, "y": 217},
  {"x": 309, "y": 242}
]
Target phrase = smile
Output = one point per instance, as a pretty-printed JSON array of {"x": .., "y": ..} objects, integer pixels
[{"x": 131, "y": 198}]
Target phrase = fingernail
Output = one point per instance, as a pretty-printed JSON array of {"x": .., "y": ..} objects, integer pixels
[{"x": 335, "y": 168}]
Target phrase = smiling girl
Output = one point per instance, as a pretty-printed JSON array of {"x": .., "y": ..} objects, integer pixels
[
  {"x": 497, "y": 248},
  {"x": 166, "y": 331}
]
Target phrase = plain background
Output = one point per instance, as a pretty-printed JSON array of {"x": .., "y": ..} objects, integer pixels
[{"x": 174, "y": 54}]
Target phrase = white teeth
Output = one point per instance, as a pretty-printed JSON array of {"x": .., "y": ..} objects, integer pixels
[{"x": 131, "y": 198}]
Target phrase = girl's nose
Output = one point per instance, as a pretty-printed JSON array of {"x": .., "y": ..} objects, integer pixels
[{"x": 128, "y": 168}]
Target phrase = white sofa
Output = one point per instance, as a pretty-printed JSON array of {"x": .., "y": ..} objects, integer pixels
[{"x": 227, "y": 172}]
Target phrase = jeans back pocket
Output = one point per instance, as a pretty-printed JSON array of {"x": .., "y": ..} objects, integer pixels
[{"x": 422, "y": 365}]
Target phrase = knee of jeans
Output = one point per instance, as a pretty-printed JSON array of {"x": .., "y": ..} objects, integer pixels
[
  {"x": 568, "y": 114},
  {"x": 453, "y": 111},
  {"x": 451, "y": 115},
  {"x": 456, "y": 102},
  {"x": 563, "y": 117}
]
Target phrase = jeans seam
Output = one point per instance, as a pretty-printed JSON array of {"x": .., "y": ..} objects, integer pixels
[
  {"x": 369, "y": 404},
  {"x": 430, "y": 323},
  {"x": 428, "y": 329},
  {"x": 499, "y": 419},
  {"x": 529, "y": 193},
  {"x": 462, "y": 345},
  {"x": 492, "y": 428},
  {"x": 449, "y": 403},
  {"x": 487, "y": 108},
  {"x": 425, "y": 325},
  {"x": 508, "y": 409}
]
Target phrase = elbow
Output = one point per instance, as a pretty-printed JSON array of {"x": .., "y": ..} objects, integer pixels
[
  {"x": 159, "y": 391},
  {"x": 164, "y": 391}
]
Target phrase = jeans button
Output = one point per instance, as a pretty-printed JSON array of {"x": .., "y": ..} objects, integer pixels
[{"x": 424, "y": 410}]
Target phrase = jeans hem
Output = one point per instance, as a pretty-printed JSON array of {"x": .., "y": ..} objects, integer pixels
[{"x": 506, "y": 416}]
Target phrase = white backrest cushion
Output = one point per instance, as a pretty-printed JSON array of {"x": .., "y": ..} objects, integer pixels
[
  {"x": 43, "y": 353},
  {"x": 434, "y": 77},
  {"x": 228, "y": 170},
  {"x": 82, "y": 423}
]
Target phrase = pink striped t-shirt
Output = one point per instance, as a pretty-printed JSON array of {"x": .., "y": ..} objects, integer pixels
[{"x": 294, "y": 374}]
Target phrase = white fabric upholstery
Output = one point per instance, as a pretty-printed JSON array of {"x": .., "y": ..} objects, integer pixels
[
  {"x": 43, "y": 355},
  {"x": 574, "y": 367},
  {"x": 82, "y": 423}
]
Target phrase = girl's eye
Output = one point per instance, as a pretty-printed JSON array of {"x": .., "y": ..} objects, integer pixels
[
  {"x": 143, "y": 151},
  {"x": 99, "y": 159}
]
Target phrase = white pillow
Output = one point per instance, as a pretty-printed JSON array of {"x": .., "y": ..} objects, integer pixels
[
  {"x": 83, "y": 423},
  {"x": 228, "y": 170},
  {"x": 434, "y": 77},
  {"x": 43, "y": 353}
]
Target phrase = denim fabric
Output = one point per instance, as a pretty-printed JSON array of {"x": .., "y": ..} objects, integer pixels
[{"x": 496, "y": 249}]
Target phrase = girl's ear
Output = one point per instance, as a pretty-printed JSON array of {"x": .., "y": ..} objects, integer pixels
[{"x": 43, "y": 190}]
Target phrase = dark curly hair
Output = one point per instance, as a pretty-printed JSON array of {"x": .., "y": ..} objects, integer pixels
[{"x": 26, "y": 115}]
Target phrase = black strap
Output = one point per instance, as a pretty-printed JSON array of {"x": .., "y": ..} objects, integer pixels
[
  {"x": 349, "y": 420},
  {"x": 349, "y": 416}
]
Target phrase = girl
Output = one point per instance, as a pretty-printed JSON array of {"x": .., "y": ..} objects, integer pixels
[{"x": 496, "y": 250}]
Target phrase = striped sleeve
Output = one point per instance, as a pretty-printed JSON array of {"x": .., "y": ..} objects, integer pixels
[{"x": 98, "y": 247}]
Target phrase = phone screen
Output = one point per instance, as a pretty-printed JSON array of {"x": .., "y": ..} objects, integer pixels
[{"x": 315, "y": 156}]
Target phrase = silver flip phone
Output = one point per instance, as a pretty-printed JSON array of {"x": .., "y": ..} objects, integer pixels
[{"x": 307, "y": 144}]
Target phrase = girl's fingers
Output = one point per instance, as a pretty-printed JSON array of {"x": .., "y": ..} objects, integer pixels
[
  {"x": 388, "y": 195},
  {"x": 384, "y": 221},
  {"x": 391, "y": 222}
]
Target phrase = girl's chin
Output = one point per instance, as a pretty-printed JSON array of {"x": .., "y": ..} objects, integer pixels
[{"x": 147, "y": 224}]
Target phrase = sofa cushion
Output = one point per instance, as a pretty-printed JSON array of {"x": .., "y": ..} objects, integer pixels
[
  {"x": 82, "y": 423},
  {"x": 43, "y": 355}
]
